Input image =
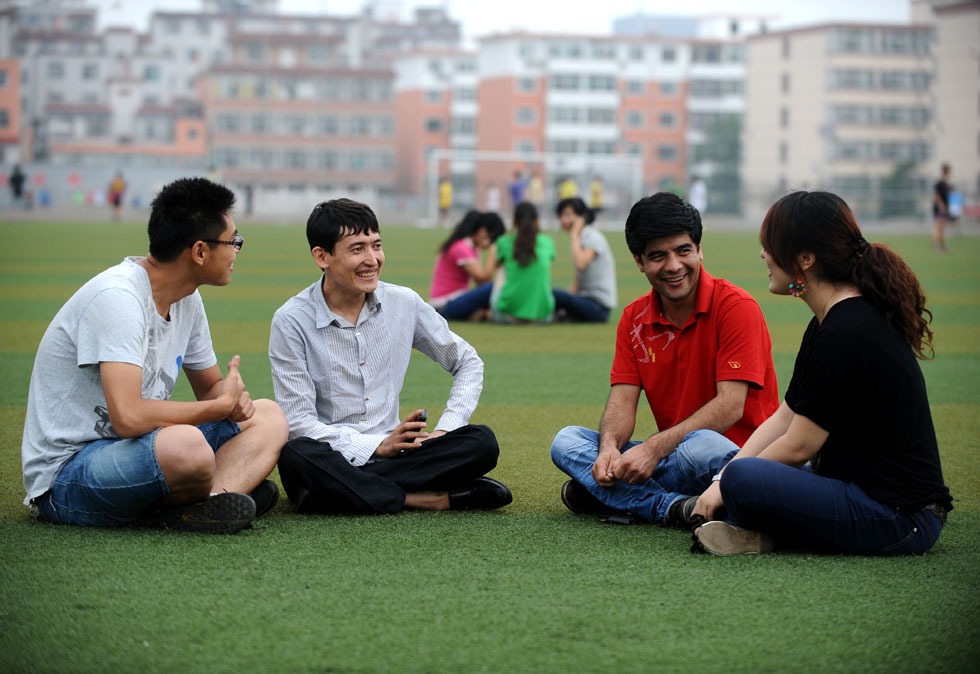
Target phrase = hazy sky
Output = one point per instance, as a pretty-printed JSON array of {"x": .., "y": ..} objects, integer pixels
[{"x": 480, "y": 17}]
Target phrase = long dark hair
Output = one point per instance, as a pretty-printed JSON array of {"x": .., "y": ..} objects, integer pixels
[
  {"x": 526, "y": 226},
  {"x": 463, "y": 229},
  {"x": 822, "y": 223}
]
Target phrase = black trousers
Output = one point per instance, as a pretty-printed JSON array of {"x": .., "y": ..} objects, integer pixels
[{"x": 444, "y": 463}]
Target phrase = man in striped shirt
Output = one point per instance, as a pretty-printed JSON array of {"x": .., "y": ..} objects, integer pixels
[{"x": 340, "y": 350}]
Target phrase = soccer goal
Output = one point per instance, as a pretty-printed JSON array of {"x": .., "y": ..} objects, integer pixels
[{"x": 483, "y": 180}]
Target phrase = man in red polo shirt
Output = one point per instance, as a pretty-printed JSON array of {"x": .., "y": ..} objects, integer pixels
[{"x": 699, "y": 350}]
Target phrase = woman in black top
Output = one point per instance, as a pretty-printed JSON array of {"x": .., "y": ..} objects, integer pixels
[{"x": 849, "y": 462}]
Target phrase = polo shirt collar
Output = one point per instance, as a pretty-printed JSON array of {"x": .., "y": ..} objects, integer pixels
[{"x": 702, "y": 300}]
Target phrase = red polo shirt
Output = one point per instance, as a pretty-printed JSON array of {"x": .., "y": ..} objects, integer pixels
[{"x": 725, "y": 339}]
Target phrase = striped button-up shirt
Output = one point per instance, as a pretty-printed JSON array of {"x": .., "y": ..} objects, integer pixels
[{"x": 340, "y": 383}]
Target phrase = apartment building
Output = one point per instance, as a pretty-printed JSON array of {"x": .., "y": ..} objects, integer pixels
[
  {"x": 436, "y": 109},
  {"x": 956, "y": 90},
  {"x": 841, "y": 107},
  {"x": 582, "y": 107}
]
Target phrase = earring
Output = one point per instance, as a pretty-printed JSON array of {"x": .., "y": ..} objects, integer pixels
[{"x": 797, "y": 288}]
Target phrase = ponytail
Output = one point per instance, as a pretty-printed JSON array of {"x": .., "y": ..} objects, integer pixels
[{"x": 892, "y": 287}]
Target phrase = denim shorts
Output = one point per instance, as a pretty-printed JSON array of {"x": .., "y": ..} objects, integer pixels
[{"x": 111, "y": 482}]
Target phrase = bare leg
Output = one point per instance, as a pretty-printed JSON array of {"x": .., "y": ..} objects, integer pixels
[
  {"x": 427, "y": 500},
  {"x": 248, "y": 458},
  {"x": 187, "y": 462},
  {"x": 938, "y": 234}
]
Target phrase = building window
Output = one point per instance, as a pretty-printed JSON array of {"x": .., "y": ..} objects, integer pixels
[
  {"x": 527, "y": 84},
  {"x": 56, "y": 70},
  {"x": 4, "y": 118},
  {"x": 564, "y": 82},
  {"x": 525, "y": 147},
  {"x": 667, "y": 152},
  {"x": 668, "y": 55},
  {"x": 784, "y": 118},
  {"x": 433, "y": 96},
  {"x": 785, "y": 83},
  {"x": 527, "y": 116},
  {"x": 668, "y": 88},
  {"x": 635, "y": 53},
  {"x": 602, "y": 83},
  {"x": 433, "y": 125},
  {"x": 668, "y": 120},
  {"x": 602, "y": 116},
  {"x": 634, "y": 119},
  {"x": 151, "y": 73},
  {"x": 787, "y": 48},
  {"x": 4, "y": 78},
  {"x": 90, "y": 71},
  {"x": 783, "y": 152},
  {"x": 635, "y": 87}
]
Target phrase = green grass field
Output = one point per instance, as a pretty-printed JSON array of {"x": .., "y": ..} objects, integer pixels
[{"x": 530, "y": 588}]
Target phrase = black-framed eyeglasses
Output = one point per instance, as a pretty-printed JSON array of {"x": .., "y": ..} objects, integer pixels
[{"x": 237, "y": 242}]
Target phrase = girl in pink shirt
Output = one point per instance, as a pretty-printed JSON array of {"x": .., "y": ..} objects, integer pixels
[{"x": 459, "y": 261}]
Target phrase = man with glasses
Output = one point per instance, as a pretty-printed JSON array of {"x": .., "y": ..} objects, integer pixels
[{"x": 103, "y": 443}]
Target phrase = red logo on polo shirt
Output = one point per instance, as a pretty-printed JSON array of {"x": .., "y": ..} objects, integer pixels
[{"x": 734, "y": 364}]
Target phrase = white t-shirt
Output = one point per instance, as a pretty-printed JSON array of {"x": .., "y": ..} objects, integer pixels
[{"x": 112, "y": 318}]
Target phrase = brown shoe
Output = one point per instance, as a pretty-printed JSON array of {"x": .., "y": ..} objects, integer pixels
[{"x": 722, "y": 538}]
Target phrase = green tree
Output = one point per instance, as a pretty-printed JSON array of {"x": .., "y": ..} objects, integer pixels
[{"x": 722, "y": 148}]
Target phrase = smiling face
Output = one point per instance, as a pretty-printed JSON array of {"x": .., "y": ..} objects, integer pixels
[
  {"x": 779, "y": 280},
  {"x": 354, "y": 268},
  {"x": 672, "y": 265}
]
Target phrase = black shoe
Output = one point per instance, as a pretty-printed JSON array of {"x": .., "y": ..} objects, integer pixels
[
  {"x": 580, "y": 500},
  {"x": 482, "y": 493},
  {"x": 266, "y": 496},
  {"x": 225, "y": 513},
  {"x": 300, "y": 498},
  {"x": 681, "y": 514}
]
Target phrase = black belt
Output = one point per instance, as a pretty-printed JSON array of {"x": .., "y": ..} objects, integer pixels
[{"x": 937, "y": 510}]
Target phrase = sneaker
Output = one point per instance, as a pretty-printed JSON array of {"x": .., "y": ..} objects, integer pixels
[
  {"x": 580, "y": 500},
  {"x": 722, "y": 538},
  {"x": 681, "y": 514},
  {"x": 266, "y": 496},
  {"x": 225, "y": 513}
]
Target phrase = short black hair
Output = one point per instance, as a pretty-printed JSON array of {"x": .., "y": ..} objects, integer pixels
[
  {"x": 659, "y": 215},
  {"x": 185, "y": 211},
  {"x": 578, "y": 206},
  {"x": 332, "y": 220}
]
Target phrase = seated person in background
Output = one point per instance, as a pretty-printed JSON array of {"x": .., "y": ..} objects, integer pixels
[
  {"x": 593, "y": 292},
  {"x": 459, "y": 262},
  {"x": 699, "y": 350},
  {"x": 103, "y": 443},
  {"x": 339, "y": 351},
  {"x": 522, "y": 292},
  {"x": 856, "y": 408}
]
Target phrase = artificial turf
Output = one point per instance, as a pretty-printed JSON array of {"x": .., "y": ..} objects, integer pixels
[{"x": 530, "y": 588}]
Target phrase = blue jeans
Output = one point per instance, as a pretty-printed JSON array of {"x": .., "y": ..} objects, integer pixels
[
  {"x": 686, "y": 472},
  {"x": 111, "y": 482},
  {"x": 467, "y": 304},
  {"x": 804, "y": 510},
  {"x": 579, "y": 308}
]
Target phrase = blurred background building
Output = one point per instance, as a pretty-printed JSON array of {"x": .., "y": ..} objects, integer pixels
[{"x": 290, "y": 109}]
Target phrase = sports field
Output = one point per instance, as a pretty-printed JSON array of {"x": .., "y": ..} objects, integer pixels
[{"x": 529, "y": 588}]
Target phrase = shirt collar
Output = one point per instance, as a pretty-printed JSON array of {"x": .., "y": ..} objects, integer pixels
[{"x": 325, "y": 317}]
